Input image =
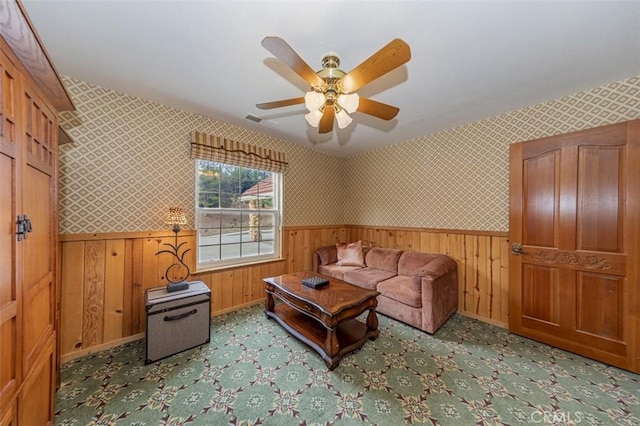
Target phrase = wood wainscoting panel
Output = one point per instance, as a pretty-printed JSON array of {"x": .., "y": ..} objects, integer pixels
[
  {"x": 114, "y": 290},
  {"x": 93, "y": 293},
  {"x": 71, "y": 296},
  {"x": 104, "y": 276}
]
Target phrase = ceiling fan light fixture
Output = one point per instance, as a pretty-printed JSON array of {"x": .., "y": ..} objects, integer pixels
[
  {"x": 343, "y": 119},
  {"x": 313, "y": 101},
  {"x": 349, "y": 102},
  {"x": 313, "y": 118},
  {"x": 332, "y": 95}
]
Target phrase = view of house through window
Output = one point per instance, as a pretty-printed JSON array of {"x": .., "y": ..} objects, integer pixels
[{"x": 237, "y": 214}]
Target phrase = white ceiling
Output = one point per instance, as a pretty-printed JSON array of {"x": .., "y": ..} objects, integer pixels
[{"x": 470, "y": 60}]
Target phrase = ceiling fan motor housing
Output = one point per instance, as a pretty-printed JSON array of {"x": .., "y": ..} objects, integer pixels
[{"x": 330, "y": 67}]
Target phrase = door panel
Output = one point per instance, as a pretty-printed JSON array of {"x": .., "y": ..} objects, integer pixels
[
  {"x": 540, "y": 186},
  {"x": 571, "y": 210},
  {"x": 540, "y": 294},
  {"x": 600, "y": 203},
  {"x": 600, "y": 305}
]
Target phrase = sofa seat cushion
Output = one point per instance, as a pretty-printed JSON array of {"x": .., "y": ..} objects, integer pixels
[
  {"x": 404, "y": 289},
  {"x": 367, "y": 277},
  {"x": 336, "y": 271}
]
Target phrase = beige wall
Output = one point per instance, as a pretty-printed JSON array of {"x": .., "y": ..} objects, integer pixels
[
  {"x": 459, "y": 178},
  {"x": 130, "y": 162}
]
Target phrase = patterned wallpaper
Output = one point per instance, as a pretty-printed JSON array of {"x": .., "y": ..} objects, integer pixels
[
  {"x": 130, "y": 162},
  {"x": 459, "y": 178}
]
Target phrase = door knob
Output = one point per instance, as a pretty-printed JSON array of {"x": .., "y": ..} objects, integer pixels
[{"x": 516, "y": 248}]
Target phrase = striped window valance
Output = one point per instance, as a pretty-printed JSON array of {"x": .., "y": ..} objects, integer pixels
[{"x": 219, "y": 149}]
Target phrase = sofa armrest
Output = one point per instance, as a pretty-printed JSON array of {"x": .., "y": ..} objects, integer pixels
[
  {"x": 438, "y": 267},
  {"x": 439, "y": 298},
  {"x": 324, "y": 256}
]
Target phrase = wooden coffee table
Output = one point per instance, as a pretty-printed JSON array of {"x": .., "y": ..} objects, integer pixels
[{"x": 325, "y": 318}]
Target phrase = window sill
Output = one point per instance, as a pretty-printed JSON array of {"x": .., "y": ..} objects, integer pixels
[{"x": 236, "y": 266}]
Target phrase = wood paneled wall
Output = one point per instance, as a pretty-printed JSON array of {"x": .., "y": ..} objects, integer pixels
[{"x": 104, "y": 276}]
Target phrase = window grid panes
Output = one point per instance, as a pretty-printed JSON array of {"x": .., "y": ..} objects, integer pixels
[{"x": 237, "y": 213}]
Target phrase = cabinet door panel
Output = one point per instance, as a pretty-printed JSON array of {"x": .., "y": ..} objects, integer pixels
[
  {"x": 39, "y": 204},
  {"x": 35, "y": 402},
  {"x": 10, "y": 258},
  {"x": 10, "y": 417}
]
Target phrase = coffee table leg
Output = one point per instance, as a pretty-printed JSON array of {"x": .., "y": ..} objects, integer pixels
[
  {"x": 331, "y": 348},
  {"x": 269, "y": 303},
  {"x": 372, "y": 323}
]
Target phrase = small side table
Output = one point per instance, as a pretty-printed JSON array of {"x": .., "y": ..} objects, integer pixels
[{"x": 176, "y": 321}]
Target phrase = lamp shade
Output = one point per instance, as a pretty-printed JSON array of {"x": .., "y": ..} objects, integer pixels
[
  {"x": 175, "y": 216},
  {"x": 349, "y": 102},
  {"x": 314, "y": 100},
  {"x": 313, "y": 118},
  {"x": 343, "y": 119}
]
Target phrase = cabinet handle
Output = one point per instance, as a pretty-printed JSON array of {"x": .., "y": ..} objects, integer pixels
[
  {"x": 179, "y": 317},
  {"x": 27, "y": 224},
  {"x": 21, "y": 228}
]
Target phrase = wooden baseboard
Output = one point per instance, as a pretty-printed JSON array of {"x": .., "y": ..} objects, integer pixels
[
  {"x": 485, "y": 319},
  {"x": 98, "y": 348},
  {"x": 237, "y": 308}
]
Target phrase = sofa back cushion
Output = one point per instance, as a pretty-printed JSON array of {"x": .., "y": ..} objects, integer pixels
[
  {"x": 411, "y": 261},
  {"x": 327, "y": 254},
  {"x": 383, "y": 258},
  {"x": 350, "y": 254}
]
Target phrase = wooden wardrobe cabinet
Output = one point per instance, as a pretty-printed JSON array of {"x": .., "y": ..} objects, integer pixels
[{"x": 28, "y": 225}]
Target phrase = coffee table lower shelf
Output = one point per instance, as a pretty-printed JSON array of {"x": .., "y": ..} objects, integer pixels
[{"x": 351, "y": 334}]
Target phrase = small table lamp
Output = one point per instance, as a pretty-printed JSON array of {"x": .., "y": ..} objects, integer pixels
[{"x": 176, "y": 217}]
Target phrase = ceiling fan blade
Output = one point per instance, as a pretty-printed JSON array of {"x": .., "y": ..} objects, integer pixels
[
  {"x": 377, "y": 109},
  {"x": 282, "y": 103},
  {"x": 390, "y": 57},
  {"x": 281, "y": 50},
  {"x": 326, "y": 122}
]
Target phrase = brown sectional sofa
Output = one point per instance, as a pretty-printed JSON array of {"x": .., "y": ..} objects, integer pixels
[{"x": 420, "y": 289}]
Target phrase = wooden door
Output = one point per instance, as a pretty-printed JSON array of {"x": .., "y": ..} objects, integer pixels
[
  {"x": 10, "y": 289},
  {"x": 574, "y": 208}
]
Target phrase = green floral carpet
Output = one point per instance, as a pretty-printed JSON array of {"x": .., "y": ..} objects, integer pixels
[{"x": 254, "y": 372}]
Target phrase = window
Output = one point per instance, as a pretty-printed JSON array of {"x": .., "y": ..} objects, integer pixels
[{"x": 238, "y": 215}]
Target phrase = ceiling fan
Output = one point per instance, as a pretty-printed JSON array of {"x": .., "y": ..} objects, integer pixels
[{"x": 332, "y": 93}]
